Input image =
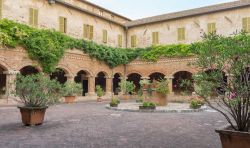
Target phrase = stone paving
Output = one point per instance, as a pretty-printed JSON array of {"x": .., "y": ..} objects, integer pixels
[{"x": 90, "y": 125}]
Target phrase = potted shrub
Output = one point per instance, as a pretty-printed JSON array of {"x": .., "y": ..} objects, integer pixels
[
  {"x": 114, "y": 102},
  {"x": 36, "y": 93},
  {"x": 196, "y": 103},
  {"x": 99, "y": 92},
  {"x": 161, "y": 92},
  {"x": 71, "y": 90},
  {"x": 230, "y": 55},
  {"x": 148, "y": 106},
  {"x": 128, "y": 88},
  {"x": 145, "y": 83}
]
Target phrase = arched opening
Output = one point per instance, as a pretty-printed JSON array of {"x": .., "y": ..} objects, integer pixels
[
  {"x": 2, "y": 81},
  {"x": 82, "y": 78},
  {"x": 101, "y": 80},
  {"x": 28, "y": 70},
  {"x": 183, "y": 83},
  {"x": 219, "y": 90},
  {"x": 135, "y": 78},
  {"x": 59, "y": 75},
  {"x": 156, "y": 76},
  {"x": 116, "y": 81}
]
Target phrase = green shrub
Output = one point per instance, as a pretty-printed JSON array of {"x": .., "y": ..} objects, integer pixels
[
  {"x": 99, "y": 91},
  {"x": 127, "y": 87},
  {"x": 114, "y": 101},
  {"x": 196, "y": 103},
  {"x": 72, "y": 89},
  {"x": 162, "y": 86},
  {"x": 148, "y": 104}
]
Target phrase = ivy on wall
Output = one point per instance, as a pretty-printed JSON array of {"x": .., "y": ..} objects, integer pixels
[{"x": 49, "y": 46}]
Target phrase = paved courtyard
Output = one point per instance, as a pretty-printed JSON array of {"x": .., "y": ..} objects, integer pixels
[{"x": 90, "y": 125}]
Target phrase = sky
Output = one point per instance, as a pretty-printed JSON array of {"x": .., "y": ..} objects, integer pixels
[{"x": 136, "y": 9}]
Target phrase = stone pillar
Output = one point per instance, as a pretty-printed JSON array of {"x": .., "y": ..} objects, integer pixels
[
  {"x": 109, "y": 81},
  {"x": 170, "y": 84},
  {"x": 91, "y": 86},
  {"x": 10, "y": 84}
]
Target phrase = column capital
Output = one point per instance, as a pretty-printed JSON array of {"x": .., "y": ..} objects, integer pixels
[
  {"x": 11, "y": 72},
  {"x": 169, "y": 77},
  {"x": 108, "y": 77},
  {"x": 143, "y": 78}
]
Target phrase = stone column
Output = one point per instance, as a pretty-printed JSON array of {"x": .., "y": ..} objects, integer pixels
[
  {"x": 10, "y": 84},
  {"x": 91, "y": 86},
  {"x": 170, "y": 84},
  {"x": 109, "y": 81}
]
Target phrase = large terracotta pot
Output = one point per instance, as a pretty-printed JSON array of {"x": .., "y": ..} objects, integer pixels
[
  {"x": 234, "y": 139},
  {"x": 99, "y": 99},
  {"x": 158, "y": 98},
  {"x": 70, "y": 99},
  {"x": 32, "y": 116}
]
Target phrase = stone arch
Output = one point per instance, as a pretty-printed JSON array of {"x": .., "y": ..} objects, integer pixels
[
  {"x": 87, "y": 70},
  {"x": 116, "y": 80},
  {"x": 185, "y": 69},
  {"x": 100, "y": 79},
  {"x": 178, "y": 78},
  {"x": 60, "y": 75},
  {"x": 29, "y": 70},
  {"x": 133, "y": 72},
  {"x": 156, "y": 76},
  {"x": 82, "y": 77},
  {"x": 135, "y": 78}
]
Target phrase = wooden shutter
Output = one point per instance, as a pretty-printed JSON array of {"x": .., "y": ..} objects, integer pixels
[
  {"x": 133, "y": 41},
  {"x": 181, "y": 34},
  {"x": 61, "y": 24},
  {"x": 211, "y": 27},
  {"x": 35, "y": 15},
  {"x": 65, "y": 25},
  {"x": 246, "y": 24},
  {"x": 120, "y": 40},
  {"x": 155, "y": 38},
  {"x": 1, "y": 9},
  {"x": 91, "y": 32},
  {"x": 31, "y": 17},
  {"x": 105, "y": 36}
]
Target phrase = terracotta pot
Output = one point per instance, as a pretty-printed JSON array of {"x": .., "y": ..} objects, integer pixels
[
  {"x": 113, "y": 105},
  {"x": 70, "y": 99},
  {"x": 99, "y": 99},
  {"x": 233, "y": 139},
  {"x": 32, "y": 116}
]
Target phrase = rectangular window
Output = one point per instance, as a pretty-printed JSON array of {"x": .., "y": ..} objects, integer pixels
[
  {"x": 88, "y": 31},
  {"x": 1, "y": 9},
  {"x": 33, "y": 19},
  {"x": 104, "y": 36},
  {"x": 62, "y": 24},
  {"x": 119, "y": 40},
  {"x": 155, "y": 38},
  {"x": 133, "y": 41},
  {"x": 211, "y": 28},
  {"x": 246, "y": 24},
  {"x": 181, "y": 34}
]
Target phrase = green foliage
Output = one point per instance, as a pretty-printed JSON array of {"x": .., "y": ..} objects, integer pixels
[
  {"x": 196, "y": 103},
  {"x": 162, "y": 86},
  {"x": 114, "y": 102},
  {"x": 99, "y": 91},
  {"x": 127, "y": 87},
  {"x": 72, "y": 89},
  {"x": 37, "y": 90},
  {"x": 148, "y": 104}
]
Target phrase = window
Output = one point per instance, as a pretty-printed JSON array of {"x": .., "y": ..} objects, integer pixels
[
  {"x": 155, "y": 38},
  {"x": 1, "y": 9},
  {"x": 62, "y": 24},
  {"x": 119, "y": 40},
  {"x": 33, "y": 19},
  {"x": 88, "y": 31},
  {"x": 246, "y": 24},
  {"x": 181, "y": 34},
  {"x": 133, "y": 41},
  {"x": 211, "y": 28},
  {"x": 104, "y": 36}
]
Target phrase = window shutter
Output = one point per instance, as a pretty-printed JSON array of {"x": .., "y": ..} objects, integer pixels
[
  {"x": 246, "y": 24},
  {"x": 31, "y": 17},
  {"x": 133, "y": 41},
  {"x": 35, "y": 12},
  {"x": 181, "y": 34},
  {"x": 155, "y": 38},
  {"x": 1, "y": 9},
  {"x": 61, "y": 24},
  {"x": 91, "y": 34},
  {"x": 120, "y": 40},
  {"x": 105, "y": 36},
  {"x": 211, "y": 28},
  {"x": 65, "y": 25}
]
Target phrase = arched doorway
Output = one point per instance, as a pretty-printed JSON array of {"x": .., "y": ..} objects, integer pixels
[
  {"x": 116, "y": 81},
  {"x": 135, "y": 78},
  {"x": 59, "y": 75},
  {"x": 2, "y": 81},
  {"x": 82, "y": 77},
  {"x": 183, "y": 83},
  {"x": 29, "y": 70},
  {"x": 156, "y": 76},
  {"x": 101, "y": 80}
]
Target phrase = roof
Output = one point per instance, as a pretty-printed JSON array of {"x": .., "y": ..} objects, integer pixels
[{"x": 188, "y": 13}]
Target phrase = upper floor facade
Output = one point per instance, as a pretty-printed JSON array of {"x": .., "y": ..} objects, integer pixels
[{"x": 82, "y": 19}]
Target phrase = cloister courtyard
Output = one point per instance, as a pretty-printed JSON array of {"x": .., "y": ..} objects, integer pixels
[{"x": 91, "y": 125}]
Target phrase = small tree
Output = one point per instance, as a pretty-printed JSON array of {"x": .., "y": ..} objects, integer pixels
[
  {"x": 99, "y": 91},
  {"x": 72, "y": 89},
  {"x": 230, "y": 55},
  {"x": 127, "y": 87}
]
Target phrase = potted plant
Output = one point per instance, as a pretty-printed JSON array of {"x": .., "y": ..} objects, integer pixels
[
  {"x": 36, "y": 93},
  {"x": 99, "y": 92},
  {"x": 114, "y": 102},
  {"x": 161, "y": 91},
  {"x": 128, "y": 88},
  {"x": 71, "y": 90},
  {"x": 144, "y": 83},
  {"x": 148, "y": 106},
  {"x": 196, "y": 103},
  {"x": 230, "y": 55}
]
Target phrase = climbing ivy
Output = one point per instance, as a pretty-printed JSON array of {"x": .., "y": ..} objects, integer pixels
[{"x": 48, "y": 47}]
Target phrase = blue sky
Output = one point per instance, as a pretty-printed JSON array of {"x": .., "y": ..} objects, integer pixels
[{"x": 136, "y": 9}]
